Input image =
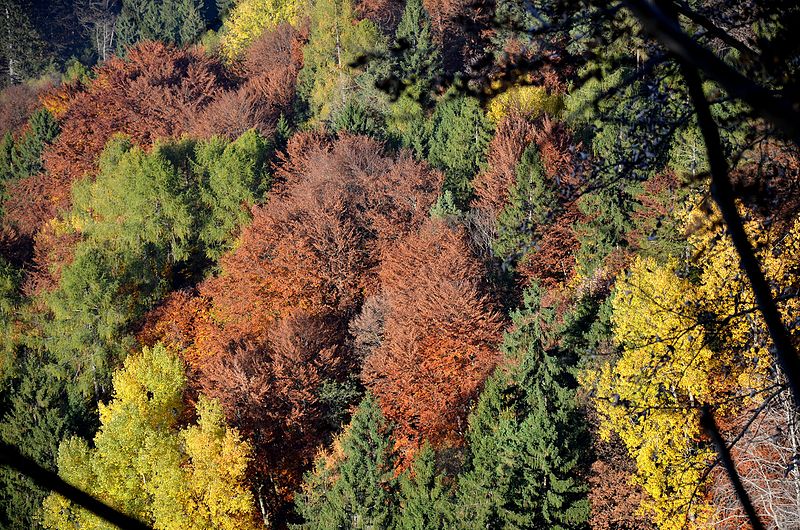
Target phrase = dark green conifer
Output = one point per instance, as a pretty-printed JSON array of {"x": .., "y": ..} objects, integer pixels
[
  {"x": 530, "y": 203},
  {"x": 419, "y": 59},
  {"x": 357, "y": 491},
  {"x": 424, "y": 500},
  {"x": 526, "y": 437},
  {"x": 458, "y": 136}
]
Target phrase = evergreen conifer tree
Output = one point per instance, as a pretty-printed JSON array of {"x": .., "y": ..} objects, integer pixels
[
  {"x": 457, "y": 139},
  {"x": 424, "y": 500},
  {"x": 420, "y": 60},
  {"x": 530, "y": 201},
  {"x": 26, "y": 158},
  {"x": 356, "y": 491},
  {"x": 526, "y": 438}
]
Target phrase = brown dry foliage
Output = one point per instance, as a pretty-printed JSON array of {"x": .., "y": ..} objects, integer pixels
[
  {"x": 386, "y": 14},
  {"x": 553, "y": 261},
  {"x": 512, "y": 137},
  {"x": 440, "y": 337},
  {"x": 271, "y": 66},
  {"x": 17, "y": 102},
  {"x": 557, "y": 148},
  {"x": 272, "y": 328},
  {"x": 316, "y": 244},
  {"x": 269, "y": 389}
]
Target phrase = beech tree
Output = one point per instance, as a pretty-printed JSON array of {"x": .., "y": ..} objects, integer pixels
[
  {"x": 155, "y": 91},
  {"x": 248, "y": 19},
  {"x": 439, "y": 339}
]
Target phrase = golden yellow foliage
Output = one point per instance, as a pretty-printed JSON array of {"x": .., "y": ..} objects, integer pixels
[
  {"x": 530, "y": 101},
  {"x": 248, "y": 20},
  {"x": 144, "y": 466},
  {"x": 689, "y": 335}
]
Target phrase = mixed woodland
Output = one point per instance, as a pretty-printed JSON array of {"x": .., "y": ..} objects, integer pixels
[{"x": 398, "y": 264}]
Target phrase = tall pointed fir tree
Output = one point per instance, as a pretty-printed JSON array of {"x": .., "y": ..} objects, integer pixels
[
  {"x": 424, "y": 499},
  {"x": 526, "y": 437},
  {"x": 419, "y": 59},
  {"x": 530, "y": 201},
  {"x": 353, "y": 486},
  {"x": 457, "y": 138}
]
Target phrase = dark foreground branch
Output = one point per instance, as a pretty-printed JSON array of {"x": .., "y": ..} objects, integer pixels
[
  {"x": 11, "y": 457},
  {"x": 777, "y": 110},
  {"x": 710, "y": 426}
]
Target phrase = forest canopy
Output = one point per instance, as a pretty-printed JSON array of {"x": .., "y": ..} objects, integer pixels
[{"x": 384, "y": 264}]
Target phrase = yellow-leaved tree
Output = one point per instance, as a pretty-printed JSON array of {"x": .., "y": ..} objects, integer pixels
[
  {"x": 144, "y": 465},
  {"x": 690, "y": 334},
  {"x": 249, "y": 18}
]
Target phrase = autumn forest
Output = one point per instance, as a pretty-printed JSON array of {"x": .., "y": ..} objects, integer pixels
[{"x": 400, "y": 264}]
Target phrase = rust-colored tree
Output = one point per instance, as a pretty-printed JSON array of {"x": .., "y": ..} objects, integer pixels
[
  {"x": 270, "y": 67},
  {"x": 269, "y": 336},
  {"x": 272, "y": 391},
  {"x": 440, "y": 336},
  {"x": 316, "y": 244},
  {"x": 513, "y": 134}
]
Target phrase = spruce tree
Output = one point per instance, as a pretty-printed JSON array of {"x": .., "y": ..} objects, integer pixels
[
  {"x": 191, "y": 25},
  {"x": 39, "y": 412},
  {"x": 357, "y": 118},
  {"x": 526, "y": 437},
  {"x": 22, "y": 49},
  {"x": 457, "y": 140},
  {"x": 424, "y": 500},
  {"x": 26, "y": 158},
  {"x": 356, "y": 491},
  {"x": 530, "y": 201},
  {"x": 419, "y": 60}
]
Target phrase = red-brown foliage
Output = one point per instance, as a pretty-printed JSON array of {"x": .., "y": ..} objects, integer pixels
[
  {"x": 614, "y": 498},
  {"x": 272, "y": 328},
  {"x": 440, "y": 335},
  {"x": 271, "y": 66},
  {"x": 52, "y": 251},
  {"x": 558, "y": 156},
  {"x": 386, "y": 14},
  {"x": 17, "y": 102},
  {"x": 270, "y": 390},
  {"x": 513, "y": 136},
  {"x": 553, "y": 262},
  {"x": 183, "y": 322},
  {"x": 316, "y": 244},
  {"x": 461, "y": 28},
  {"x": 155, "y": 91}
]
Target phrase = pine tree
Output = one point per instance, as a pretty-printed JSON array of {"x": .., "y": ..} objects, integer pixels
[
  {"x": 424, "y": 500},
  {"x": 355, "y": 492},
  {"x": 530, "y": 201},
  {"x": 526, "y": 437}
]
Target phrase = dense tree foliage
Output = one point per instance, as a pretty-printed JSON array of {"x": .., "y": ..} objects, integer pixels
[
  {"x": 145, "y": 465},
  {"x": 402, "y": 264}
]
